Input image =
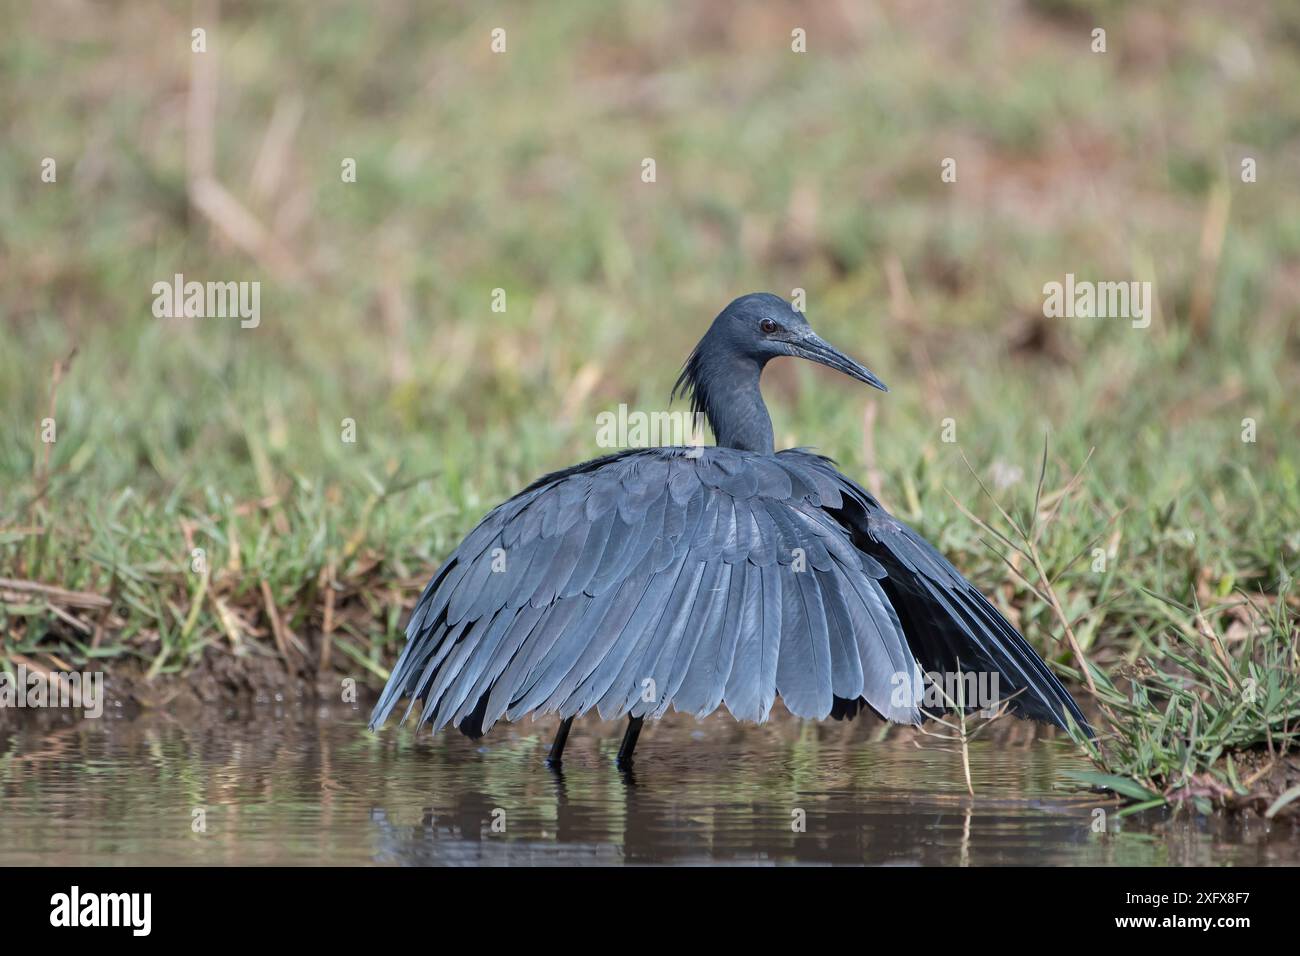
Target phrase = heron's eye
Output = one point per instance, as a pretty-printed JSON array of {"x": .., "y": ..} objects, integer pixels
[{"x": 768, "y": 326}]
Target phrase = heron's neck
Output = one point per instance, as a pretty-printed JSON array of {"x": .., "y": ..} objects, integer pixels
[{"x": 734, "y": 406}]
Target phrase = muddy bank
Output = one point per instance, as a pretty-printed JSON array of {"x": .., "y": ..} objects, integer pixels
[
  {"x": 219, "y": 682},
  {"x": 236, "y": 684}
]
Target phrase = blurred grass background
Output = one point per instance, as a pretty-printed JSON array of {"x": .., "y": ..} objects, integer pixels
[{"x": 522, "y": 171}]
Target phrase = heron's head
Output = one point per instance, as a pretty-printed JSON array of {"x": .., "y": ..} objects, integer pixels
[{"x": 762, "y": 326}]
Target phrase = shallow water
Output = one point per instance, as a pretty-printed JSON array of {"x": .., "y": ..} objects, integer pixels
[{"x": 282, "y": 785}]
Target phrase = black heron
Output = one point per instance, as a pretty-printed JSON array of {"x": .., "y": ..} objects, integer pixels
[{"x": 696, "y": 577}]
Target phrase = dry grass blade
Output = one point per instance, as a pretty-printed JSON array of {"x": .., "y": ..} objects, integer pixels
[{"x": 50, "y": 592}]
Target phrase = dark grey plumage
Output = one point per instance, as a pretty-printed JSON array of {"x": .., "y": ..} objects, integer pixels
[{"x": 699, "y": 578}]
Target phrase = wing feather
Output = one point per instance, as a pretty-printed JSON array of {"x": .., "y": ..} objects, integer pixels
[{"x": 716, "y": 577}]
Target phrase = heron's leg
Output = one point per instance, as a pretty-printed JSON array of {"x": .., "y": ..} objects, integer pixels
[
  {"x": 629, "y": 741},
  {"x": 557, "y": 746}
]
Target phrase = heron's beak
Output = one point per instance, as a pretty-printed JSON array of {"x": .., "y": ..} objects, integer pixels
[{"x": 815, "y": 349}]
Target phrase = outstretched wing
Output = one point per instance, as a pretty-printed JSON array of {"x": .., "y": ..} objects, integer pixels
[
  {"x": 657, "y": 577},
  {"x": 949, "y": 624}
]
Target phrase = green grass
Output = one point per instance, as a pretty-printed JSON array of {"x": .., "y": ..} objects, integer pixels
[
  {"x": 1181, "y": 725},
  {"x": 1199, "y": 689},
  {"x": 775, "y": 171}
]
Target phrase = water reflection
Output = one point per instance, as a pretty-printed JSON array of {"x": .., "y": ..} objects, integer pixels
[{"x": 307, "y": 786}]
